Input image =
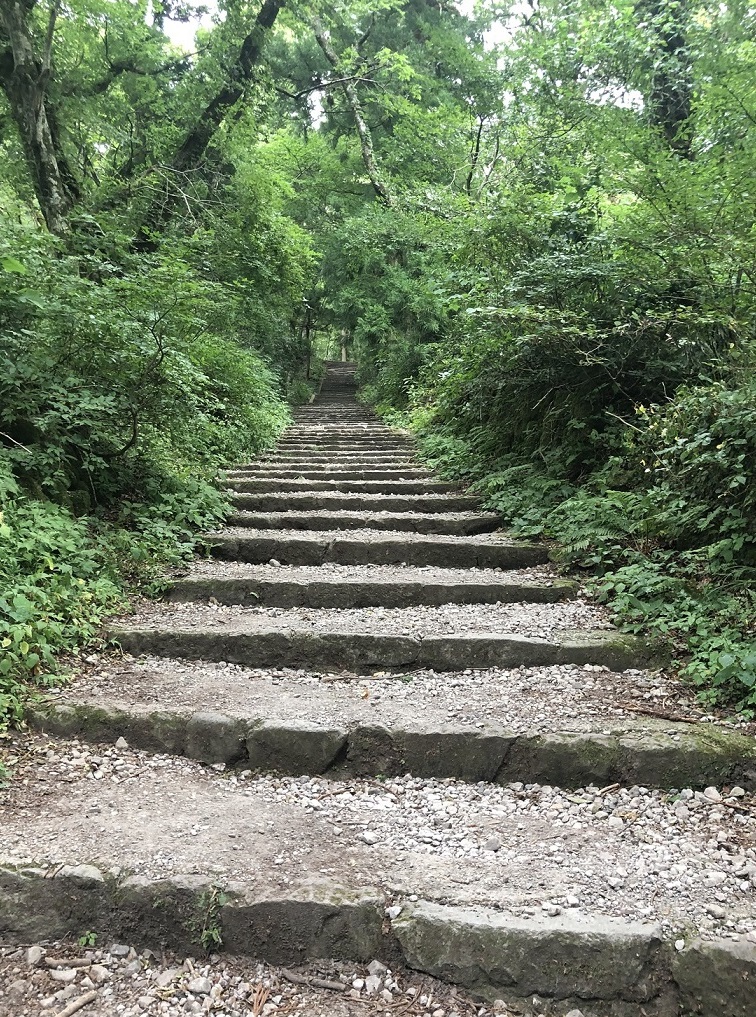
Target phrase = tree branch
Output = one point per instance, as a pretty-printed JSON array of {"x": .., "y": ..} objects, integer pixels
[{"x": 353, "y": 99}]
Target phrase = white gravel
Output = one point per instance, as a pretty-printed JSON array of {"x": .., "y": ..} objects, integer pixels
[
  {"x": 332, "y": 572},
  {"x": 537, "y": 700},
  {"x": 534, "y": 620}
]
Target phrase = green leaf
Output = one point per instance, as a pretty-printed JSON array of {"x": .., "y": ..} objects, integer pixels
[{"x": 13, "y": 265}]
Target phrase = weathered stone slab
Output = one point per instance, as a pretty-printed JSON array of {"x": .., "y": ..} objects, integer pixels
[
  {"x": 295, "y": 747},
  {"x": 431, "y": 523},
  {"x": 259, "y": 547},
  {"x": 355, "y": 593},
  {"x": 499, "y": 956},
  {"x": 355, "y": 486},
  {"x": 717, "y": 979},
  {"x": 365, "y": 748},
  {"x": 339, "y": 501},
  {"x": 314, "y": 920},
  {"x": 364, "y": 653}
]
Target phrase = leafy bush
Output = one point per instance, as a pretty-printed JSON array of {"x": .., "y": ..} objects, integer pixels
[
  {"x": 60, "y": 575},
  {"x": 121, "y": 394},
  {"x": 55, "y": 588},
  {"x": 700, "y": 453}
]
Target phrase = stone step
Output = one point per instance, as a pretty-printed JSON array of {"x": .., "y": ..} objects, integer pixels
[
  {"x": 347, "y": 461},
  {"x": 363, "y": 443},
  {"x": 460, "y": 524},
  {"x": 310, "y": 434},
  {"x": 340, "y": 432},
  {"x": 296, "y": 646},
  {"x": 350, "y": 458},
  {"x": 367, "y": 446},
  {"x": 373, "y": 547},
  {"x": 353, "y": 486},
  {"x": 302, "y": 725},
  {"x": 333, "y": 586},
  {"x": 365, "y": 427},
  {"x": 265, "y": 471},
  {"x": 187, "y": 851},
  {"x": 336, "y": 414},
  {"x": 338, "y": 501}
]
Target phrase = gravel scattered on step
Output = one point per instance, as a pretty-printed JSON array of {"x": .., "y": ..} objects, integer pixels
[
  {"x": 284, "y": 517},
  {"x": 142, "y": 983},
  {"x": 212, "y": 568},
  {"x": 533, "y": 620},
  {"x": 687, "y": 859},
  {"x": 367, "y": 535},
  {"x": 537, "y": 700}
]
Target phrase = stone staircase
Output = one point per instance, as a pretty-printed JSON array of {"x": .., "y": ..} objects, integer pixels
[{"x": 373, "y": 726}]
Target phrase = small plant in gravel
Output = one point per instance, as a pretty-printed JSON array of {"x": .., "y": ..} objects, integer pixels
[{"x": 207, "y": 925}]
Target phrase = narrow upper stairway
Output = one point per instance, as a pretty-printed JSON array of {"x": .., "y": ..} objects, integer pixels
[{"x": 420, "y": 744}]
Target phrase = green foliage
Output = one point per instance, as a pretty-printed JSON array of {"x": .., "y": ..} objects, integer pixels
[
  {"x": 700, "y": 450},
  {"x": 54, "y": 592},
  {"x": 206, "y": 925}
]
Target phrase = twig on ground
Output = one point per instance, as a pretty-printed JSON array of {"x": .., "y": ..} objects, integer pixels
[
  {"x": 77, "y": 1004},
  {"x": 312, "y": 982},
  {"x": 608, "y": 788},
  {"x": 648, "y": 711}
]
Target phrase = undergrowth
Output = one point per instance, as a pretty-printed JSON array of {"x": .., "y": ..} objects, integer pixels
[
  {"x": 60, "y": 575},
  {"x": 662, "y": 533},
  {"x": 123, "y": 389}
]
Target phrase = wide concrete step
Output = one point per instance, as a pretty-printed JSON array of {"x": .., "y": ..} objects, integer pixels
[
  {"x": 326, "y": 460},
  {"x": 357, "y": 444},
  {"x": 187, "y": 849},
  {"x": 364, "y": 439},
  {"x": 334, "y": 414},
  {"x": 343, "y": 451},
  {"x": 354, "y": 486},
  {"x": 498, "y": 727},
  {"x": 459, "y": 524},
  {"x": 332, "y": 586},
  {"x": 340, "y": 501},
  {"x": 354, "y": 429},
  {"x": 296, "y": 646},
  {"x": 354, "y": 460},
  {"x": 266, "y": 471},
  {"x": 373, "y": 547}
]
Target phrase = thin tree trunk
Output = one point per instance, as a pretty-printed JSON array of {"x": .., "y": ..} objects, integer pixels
[
  {"x": 671, "y": 98},
  {"x": 24, "y": 77},
  {"x": 363, "y": 131}
]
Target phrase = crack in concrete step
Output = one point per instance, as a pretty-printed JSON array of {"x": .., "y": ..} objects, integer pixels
[{"x": 648, "y": 755}]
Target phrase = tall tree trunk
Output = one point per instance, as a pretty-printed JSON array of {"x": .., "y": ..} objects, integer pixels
[
  {"x": 198, "y": 138},
  {"x": 190, "y": 152},
  {"x": 353, "y": 100},
  {"x": 24, "y": 77},
  {"x": 671, "y": 98}
]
